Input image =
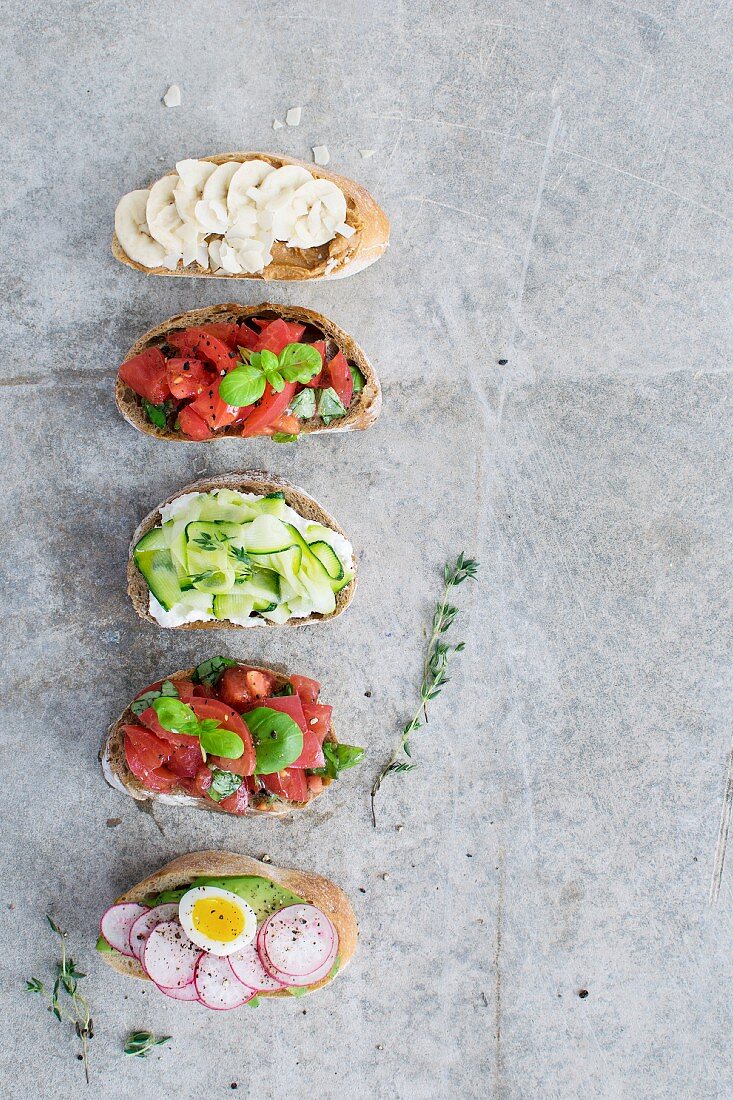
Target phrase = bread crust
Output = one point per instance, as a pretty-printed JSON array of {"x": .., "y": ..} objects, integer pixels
[
  {"x": 119, "y": 776},
  {"x": 335, "y": 260},
  {"x": 250, "y": 481},
  {"x": 362, "y": 412},
  {"x": 314, "y": 889}
]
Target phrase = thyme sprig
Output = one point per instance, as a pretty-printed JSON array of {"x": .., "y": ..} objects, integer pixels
[
  {"x": 140, "y": 1043},
  {"x": 435, "y": 670},
  {"x": 65, "y": 1000}
]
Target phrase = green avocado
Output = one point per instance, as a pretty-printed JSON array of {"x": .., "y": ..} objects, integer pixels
[{"x": 264, "y": 896}]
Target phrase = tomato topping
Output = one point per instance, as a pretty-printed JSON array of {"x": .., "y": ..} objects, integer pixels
[
  {"x": 203, "y": 691},
  {"x": 236, "y": 803},
  {"x": 270, "y": 407},
  {"x": 150, "y": 719},
  {"x": 308, "y": 690},
  {"x": 291, "y": 784},
  {"x": 287, "y": 704},
  {"x": 341, "y": 380},
  {"x": 246, "y": 338},
  {"x": 229, "y": 719},
  {"x": 238, "y": 686},
  {"x": 317, "y": 379},
  {"x": 187, "y": 377},
  {"x": 202, "y": 781},
  {"x": 276, "y": 336},
  {"x": 212, "y": 409},
  {"x": 315, "y": 784},
  {"x": 186, "y": 690},
  {"x": 146, "y": 375},
  {"x": 186, "y": 760},
  {"x": 287, "y": 424},
  {"x": 192, "y": 425},
  {"x": 322, "y": 715},
  {"x": 312, "y": 754},
  {"x": 226, "y": 331},
  {"x": 198, "y": 343}
]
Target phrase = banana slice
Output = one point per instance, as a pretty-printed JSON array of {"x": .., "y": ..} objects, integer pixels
[
  {"x": 131, "y": 228},
  {"x": 248, "y": 175},
  {"x": 190, "y": 188},
  {"x": 164, "y": 221},
  {"x": 319, "y": 209},
  {"x": 211, "y": 211}
]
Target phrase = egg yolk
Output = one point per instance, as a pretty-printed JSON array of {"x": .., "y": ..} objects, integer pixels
[{"x": 218, "y": 918}]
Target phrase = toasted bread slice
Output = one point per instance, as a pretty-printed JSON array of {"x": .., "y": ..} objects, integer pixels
[
  {"x": 338, "y": 258},
  {"x": 364, "y": 408},
  {"x": 119, "y": 776},
  {"x": 251, "y": 481},
  {"x": 312, "y": 888}
]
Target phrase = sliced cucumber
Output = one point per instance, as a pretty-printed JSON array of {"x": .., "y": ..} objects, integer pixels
[
  {"x": 272, "y": 505},
  {"x": 329, "y": 559},
  {"x": 235, "y": 608},
  {"x": 154, "y": 540},
  {"x": 279, "y": 614},
  {"x": 263, "y": 605},
  {"x": 268, "y": 535},
  {"x": 263, "y": 585},
  {"x": 160, "y": 573}
]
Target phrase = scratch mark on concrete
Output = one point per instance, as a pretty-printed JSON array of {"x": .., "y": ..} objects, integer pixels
[{"x": 723, "y": 830}]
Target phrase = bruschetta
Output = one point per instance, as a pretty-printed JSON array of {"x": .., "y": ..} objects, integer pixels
[
  {"x": 227, "y": 736},
  {"x": 250, "y": 216},
  {"x": 221, "y": 929},
  {"x": 240, "y": 550},
  {"x": 313, "y": 377}
]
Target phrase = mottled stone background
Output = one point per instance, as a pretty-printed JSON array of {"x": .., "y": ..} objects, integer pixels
[{"x": 558, "y": 178}]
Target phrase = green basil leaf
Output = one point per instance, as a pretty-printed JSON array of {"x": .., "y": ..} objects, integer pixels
[
  {"x": 338, "y": 759},
  {"x": 330, "y": 406},
  {"x": 278, "y": 740},
  {"x": 283, "y": 437},
  {"x": 300, "y": 362},
  {"x": 276, "y": 380},
  {"x": 242, "y": 386},
  {"x": 357, "y": 378},
  {"x": 223, "y": 784},
  {"x": 156, "y": 414},
  {"x": 167, "y": 688},
  {"x": 208, "y": 672},
  {"x": 303, "y": 404},
  {"x": 176, "y": 716},
  {"x": 286, "y": 689},
  {"x": 268, "y": 361},
  {"x": 221, "y": 742}
]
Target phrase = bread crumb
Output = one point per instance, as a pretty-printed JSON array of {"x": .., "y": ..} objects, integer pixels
[
  {"x": 321, "y": 154},
  {"x": 277, "y": 124},
  {"x": 172, "y": 97},
  {"x": 366, "y": 153},
  {"x": 385, "y": 876},
  {"x": 293, "y": 116},
  {"x": 266, "y": 859}
]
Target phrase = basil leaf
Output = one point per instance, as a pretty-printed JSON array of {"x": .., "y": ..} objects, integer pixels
[
  {"x": 223, "y": 784},
  {"x": 357, "y": 378},
  {"x": 283, "y": 437},
  {"x": 330, "y": 406},
  {"x": 300, "y": 362},
  {"x": 286, "y": 689},
  {"x": 276, "y": 380},
  {"x": 221, "y": 742},
  {"x": 242, "y": 386},
  {"x": 338, "y": 759},
  {"x": 156, "y": 414},
  {"x": 303, "y": 404},
  {"x": 208, "y": 672},
  {"x": 268, "y": 361},
  {"x": 176, "y": 716},
  {"x": 278, "y": 740},
  {"x": 167, "y": 688}
]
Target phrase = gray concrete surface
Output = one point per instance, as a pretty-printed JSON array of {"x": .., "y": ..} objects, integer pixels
[{"x": 558, "y": 180}]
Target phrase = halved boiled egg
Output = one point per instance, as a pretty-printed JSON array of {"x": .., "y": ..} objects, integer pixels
[{"x": 217, "y": 920}]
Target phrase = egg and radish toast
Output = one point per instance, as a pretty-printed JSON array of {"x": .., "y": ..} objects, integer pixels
[
  {"x": 227, "y": 736},
  {"x": 221, "y": 929}
]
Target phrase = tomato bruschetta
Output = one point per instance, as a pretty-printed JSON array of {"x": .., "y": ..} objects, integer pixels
[
  {"x": 240, "y": 550},
  {"x": 234, "y": 371},
  {"x": 250, "y": 216},
  {"x": 222, "y": 930},
  {"x": 227, "y": 736}
]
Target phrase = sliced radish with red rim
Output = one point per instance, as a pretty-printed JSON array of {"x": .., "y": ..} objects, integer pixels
[
  {"x": 298, "y": 945},
  {"x": 116, "y": 923},
  {"x": 248, "y": 968},
  {"x": 145, "y": 924},
  {"x": 185, "y": 993},
  {"x": 170, "y": 957},
  {"x": 217, "y": 985}
]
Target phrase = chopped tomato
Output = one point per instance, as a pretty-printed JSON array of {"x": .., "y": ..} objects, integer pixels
[
  {"x": 186, "y": 760},
  {"x": 286, "y": 704},
  {"x": 203, "y": 691},
  {"x": 149, "y": 749},
  {"x": 276, "y": 336},
  {"x": 202, "y": 781},
  {"x": 226, "y": 331},
  {"x": 315, "y": 784},
  {"x": 146, "y": 375},
  {"x": 185, "y": 689},
  {"x": 161, "y": 780},
  {"x": 322, "y": 715},
  {"x": 308, "y": 690},
  {"x": 187, "y": 377},
  {"x": 290, "y": 784},
  {"x": 198, "y": 343},
  {"x": 269, "y": 408},
  {"x": 246, "y": 337},
  {"x": 236, "y": 803},
  {"x": 192, "y": 425},
  {"x": 229, "y": 719},
  {"x": 312, "y": 754},
  {"x": 317, "y": 379},
  {"x": 287, "y": 424},
  {"x": 341, "y": 380},
  {"x": 238, "y": 686},
  {"x": 238, "y": 767},
  {"x": 150, "y": 719},
  {"x": 211, "y": 408}
]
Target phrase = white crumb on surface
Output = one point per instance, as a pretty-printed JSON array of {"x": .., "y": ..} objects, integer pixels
[
  {"x": 293, "y": 116},
  {"x": 277, "y": 124},
  {"x": 366, "y": 153},
  {"x": 321, "y": 154},
  {"x": 172, "y": 97}
]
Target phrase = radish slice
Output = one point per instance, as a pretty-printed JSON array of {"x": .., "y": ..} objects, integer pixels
[
  {"x": 248, "y": 968},
  {"x": 170, "y": 957},
  {"x": 145, "y": 924},
  {"x": 116, "y": 923},
  {"x": 185, "y": 993},
  {"x": 216, "y": 984},
  {"x": 306, "y": 979},
  {"x": 298, "y": 940}
]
